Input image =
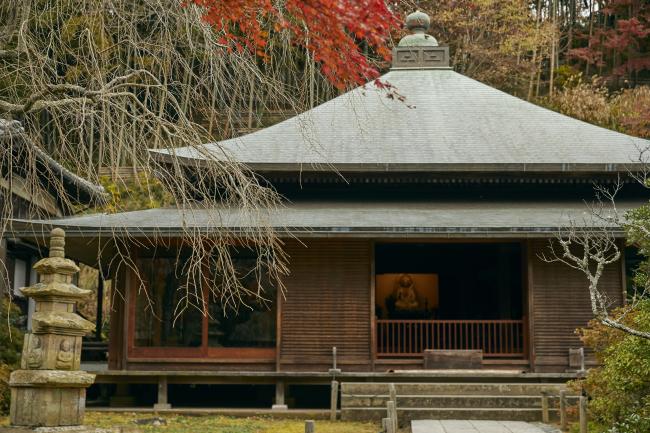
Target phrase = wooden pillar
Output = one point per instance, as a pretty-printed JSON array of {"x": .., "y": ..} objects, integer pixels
[
  {"x": 279, "y": 396},
  {"x": 334, "y": 400},
  {"x": 391, "y": 410},
  {"x": 392, "y": 393},
  {"x": 583, "y": 414},
  {"x": 545, "y": 415},
  {"x": 162, "y": 394},
  {"x": 100, "y": 305},
  {"x": 563, "y": 422},
  {"x": 529, "y": 334},
  {"x": 392, "y": 406},
  {"x": 310, "y": 426}
]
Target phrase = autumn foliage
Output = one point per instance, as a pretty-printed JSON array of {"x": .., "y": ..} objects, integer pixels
[
  {"x": 334, "y": 32},
  {"x": 621, "y": 41}
]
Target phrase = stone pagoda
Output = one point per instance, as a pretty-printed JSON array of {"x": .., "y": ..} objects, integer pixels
[{"x": 49, "y": 390}]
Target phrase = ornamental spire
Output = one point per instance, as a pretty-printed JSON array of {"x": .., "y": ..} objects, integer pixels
[{"x": 419, "y": 50}]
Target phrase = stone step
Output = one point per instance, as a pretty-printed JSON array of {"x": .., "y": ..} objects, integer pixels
[
  {"x": 457, "y": 401},
  {"x": 524, "y": 389},
  {"x": 474, "y": 426},
  {"x": 406, "y": 415}
]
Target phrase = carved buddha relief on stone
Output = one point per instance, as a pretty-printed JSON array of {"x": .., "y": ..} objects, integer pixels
[
  {"x": 35, "y": 353},
  {"x": 65, "y": 357}
]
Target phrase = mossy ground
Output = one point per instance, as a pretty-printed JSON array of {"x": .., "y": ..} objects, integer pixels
[{"x": 219, "y": 424}]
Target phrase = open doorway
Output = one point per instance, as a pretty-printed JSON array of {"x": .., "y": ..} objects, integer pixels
[{"x": 453, "y": 296}]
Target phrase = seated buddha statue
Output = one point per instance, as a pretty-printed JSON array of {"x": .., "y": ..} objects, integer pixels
[{"x": 405, "y": 297}]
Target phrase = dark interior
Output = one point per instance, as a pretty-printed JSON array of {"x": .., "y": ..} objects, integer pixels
[{"x": 477, "y": 281}]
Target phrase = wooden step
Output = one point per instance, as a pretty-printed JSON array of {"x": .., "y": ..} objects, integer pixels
[
  {"x": 409, "y": 414},
  {"x": 379, "y": 389}
]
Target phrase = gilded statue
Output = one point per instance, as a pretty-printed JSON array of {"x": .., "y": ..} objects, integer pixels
[
  {"x": 35, "y": 354},
  {"x": 64, "y": 358},
  {"x": 405, "y": 297}
]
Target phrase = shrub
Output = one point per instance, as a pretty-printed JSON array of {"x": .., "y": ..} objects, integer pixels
[
  {"x": 11, "y": 342},
  {"x": 627, "y": 110},
  {"x": 620, "y": 388}
]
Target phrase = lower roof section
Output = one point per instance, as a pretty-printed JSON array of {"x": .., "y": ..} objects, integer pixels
[{"x": 326, "y": 219}]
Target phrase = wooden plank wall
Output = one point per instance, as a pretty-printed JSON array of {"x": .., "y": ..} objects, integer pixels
[
  {"x": 327, "y": 304},
  {"x": 560, "y": 304}
]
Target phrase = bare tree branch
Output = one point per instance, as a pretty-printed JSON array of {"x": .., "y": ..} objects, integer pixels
[{"x": 590, "y": 247}]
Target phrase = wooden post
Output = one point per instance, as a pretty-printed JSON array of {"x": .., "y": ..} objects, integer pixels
[
  {"x": 393, "y": 397},
  {"x": 334, "y": 370},
  {"x": 334, "y": 400},
  {"x": 392, "y": 415},
  {"x": 162, "y": 394},
  {"x": 545, "y": 416},
  {"x": 583, "y": 414},
  {"x": 100, "y": 305},
  {"x": 385, "y": 422},
  {"x": 563, "y": 423},
  {"x": 310, "y": 426}
]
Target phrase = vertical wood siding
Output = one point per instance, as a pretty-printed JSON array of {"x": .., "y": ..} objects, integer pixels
[
  {"x": 560, "y": 305},
  {"x": 327, "y": 304}
]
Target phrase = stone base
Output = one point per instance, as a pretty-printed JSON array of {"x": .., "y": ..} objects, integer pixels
[
  {"x": 162, "y": 406},
  {"x": 279, "y": 407},
  {"x": 48, "y": 407}
]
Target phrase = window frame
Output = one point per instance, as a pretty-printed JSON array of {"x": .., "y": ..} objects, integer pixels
[{"x": 202, "y": 353}]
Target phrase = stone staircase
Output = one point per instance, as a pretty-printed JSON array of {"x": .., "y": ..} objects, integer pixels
[{"x": 471, "y": 401}]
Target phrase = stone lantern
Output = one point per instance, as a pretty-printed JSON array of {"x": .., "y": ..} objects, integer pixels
[{"x": 49, "y": 390}]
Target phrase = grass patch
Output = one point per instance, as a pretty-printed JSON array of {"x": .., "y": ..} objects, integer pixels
[{"x": 218, "y": 424}]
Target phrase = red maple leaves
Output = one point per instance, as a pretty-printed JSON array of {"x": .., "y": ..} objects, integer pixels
[
  {"x": 332, "y": 31},
  {"x": 625, "y": 43}
]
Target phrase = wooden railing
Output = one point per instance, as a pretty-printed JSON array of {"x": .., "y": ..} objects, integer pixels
[{"x": 409, "y": 338}]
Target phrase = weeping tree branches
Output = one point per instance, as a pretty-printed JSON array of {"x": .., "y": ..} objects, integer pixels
[
  {"x": 62, "y": 95},
  {"x": 96, "y": 84},
  {"x": 590, "y": 246}
]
